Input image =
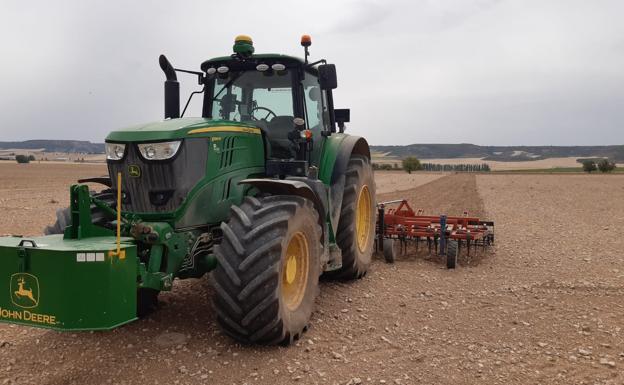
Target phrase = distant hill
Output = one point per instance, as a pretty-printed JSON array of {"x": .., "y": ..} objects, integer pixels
[
  {"x": 73, "y": 146},
  {"x": 421, "y": 151},
  {"x": 500, "y": 153}
]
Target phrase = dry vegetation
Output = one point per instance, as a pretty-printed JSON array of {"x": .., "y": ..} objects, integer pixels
[{"x": 546, "y": 307}]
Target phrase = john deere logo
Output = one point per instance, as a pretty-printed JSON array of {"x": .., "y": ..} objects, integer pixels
[
  {"x": 134, "y": 171},
  {"x": 24, "y": 290}
]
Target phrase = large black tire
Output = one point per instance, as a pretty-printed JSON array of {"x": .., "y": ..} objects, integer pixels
[
  {"x": 390, "y": 249},
  {"x": 356, "y": 256},
  {"x": 98, "y": 217},
  {"x": 62, "y": 221},
  {"x": 254, "y": 299},
  {"x": 452, "y": 252}
]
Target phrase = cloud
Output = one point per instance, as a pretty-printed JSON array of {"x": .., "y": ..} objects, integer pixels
[{"x": 481, "y": 71}]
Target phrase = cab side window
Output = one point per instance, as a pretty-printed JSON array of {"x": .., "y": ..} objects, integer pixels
[{"x": 314, "y": 105}]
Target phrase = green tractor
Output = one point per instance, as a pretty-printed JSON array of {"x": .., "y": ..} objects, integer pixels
[{"x": 264, "y": 190}]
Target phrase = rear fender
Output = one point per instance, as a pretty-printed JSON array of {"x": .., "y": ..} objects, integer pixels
[
  {"x": 337, "y": 152},
  {"x": 289, "y": 187},
  {"x": 298, "y": 187}
]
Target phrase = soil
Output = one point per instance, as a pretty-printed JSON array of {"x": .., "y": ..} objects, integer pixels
[
  {"x": 545, "y": 306},
  {"x": 392, "y": 181}
]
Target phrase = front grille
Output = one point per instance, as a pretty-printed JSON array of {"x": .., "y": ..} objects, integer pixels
[{"x": 161, "y": 186}]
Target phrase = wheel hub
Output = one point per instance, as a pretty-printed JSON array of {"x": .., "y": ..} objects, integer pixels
[
  {"x": 291, "y": 269},
  {"x": 295, "y": 270},
  {"x": 363, "y": 218}
]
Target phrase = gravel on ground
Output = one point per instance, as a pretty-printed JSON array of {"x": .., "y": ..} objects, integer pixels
[{"x": 545, "y": 306}]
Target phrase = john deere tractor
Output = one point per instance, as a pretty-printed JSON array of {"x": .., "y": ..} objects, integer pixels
[{"x": 265, "y": 191}]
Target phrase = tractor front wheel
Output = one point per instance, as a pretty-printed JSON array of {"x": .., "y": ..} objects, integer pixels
[{"x": 266, "y": 280}]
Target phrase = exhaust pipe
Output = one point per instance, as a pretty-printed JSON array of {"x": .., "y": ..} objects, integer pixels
[{"x": 172, "y": 89}]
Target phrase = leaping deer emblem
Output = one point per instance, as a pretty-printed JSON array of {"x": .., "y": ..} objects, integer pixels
[{"x": 22, "y": 292}]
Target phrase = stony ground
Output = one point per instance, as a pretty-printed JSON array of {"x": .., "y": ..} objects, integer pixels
[{"x": 544, "y": 307}]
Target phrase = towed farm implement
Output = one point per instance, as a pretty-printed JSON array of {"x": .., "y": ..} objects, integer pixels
[{"x": 443, "y": 235}]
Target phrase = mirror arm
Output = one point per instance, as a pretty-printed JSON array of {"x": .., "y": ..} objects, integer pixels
[
  {"x": 310, "y": 65},
  {"x": 200, "y": 75}
]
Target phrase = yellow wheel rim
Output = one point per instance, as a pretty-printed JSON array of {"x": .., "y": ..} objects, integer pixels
[
  {"x": 363, "y": 218},
  {"x": 295, "y": 270}
]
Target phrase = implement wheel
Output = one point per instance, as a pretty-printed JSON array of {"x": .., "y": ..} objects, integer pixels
[
  {"x": 356, "y": 227},
  {"x": 390, "y": 249},
  {"x": 269, "y": 264},
  {"x": 452, "y": 252}
]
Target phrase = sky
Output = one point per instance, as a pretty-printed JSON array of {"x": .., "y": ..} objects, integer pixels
[{"x": 488, "y": 72}]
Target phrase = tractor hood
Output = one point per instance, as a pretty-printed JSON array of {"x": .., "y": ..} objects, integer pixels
[{"x": 172, "y": 129}]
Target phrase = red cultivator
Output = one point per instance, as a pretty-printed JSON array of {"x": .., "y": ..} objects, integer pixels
[{"x": 443, "y": 234}]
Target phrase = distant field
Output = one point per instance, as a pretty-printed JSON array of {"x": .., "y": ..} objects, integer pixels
[
  {"x": 568, "y": 164},
  {"x": 556, "y": 170},
  {"x": 55, "y": 156}
]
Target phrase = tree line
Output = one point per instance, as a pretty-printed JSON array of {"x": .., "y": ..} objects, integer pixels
[
  {"x": 480, "y": 167},
  {"x": 411, "y": 163}
]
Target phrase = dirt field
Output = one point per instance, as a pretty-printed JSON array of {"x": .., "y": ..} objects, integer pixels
[
  {"x": 31, "y": 193},
  {"x": 391, "y": 181},
  {"x": 496, "y": 165},
  {"x": 507, "y": 166},
  {"x": 546, "y": 307}
]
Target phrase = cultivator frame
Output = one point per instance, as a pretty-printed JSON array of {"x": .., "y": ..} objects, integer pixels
[{"x": 443, "y": 234}]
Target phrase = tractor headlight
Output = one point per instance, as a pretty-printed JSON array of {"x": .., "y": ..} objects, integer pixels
[
  {"x": 159, "y": 151},
  {"x": 115, "y": 151}
]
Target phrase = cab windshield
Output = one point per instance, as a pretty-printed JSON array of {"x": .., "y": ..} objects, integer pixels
[{"x": 253, "y": 96}]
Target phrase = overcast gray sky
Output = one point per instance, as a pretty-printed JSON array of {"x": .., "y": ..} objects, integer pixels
[{"x": 508, "y": 72}]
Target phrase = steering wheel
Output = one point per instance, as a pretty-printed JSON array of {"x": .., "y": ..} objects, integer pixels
[{"x": 269, "y": 113}]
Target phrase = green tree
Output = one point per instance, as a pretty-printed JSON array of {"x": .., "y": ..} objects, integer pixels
[
  {"x": 589, "y": 166},
  {"x": 605, "y": 165},
  {"x": 411, "y": 164},
  {"x": 22, "y": 159}
]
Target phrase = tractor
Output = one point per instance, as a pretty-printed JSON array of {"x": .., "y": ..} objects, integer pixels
[{"x": 264, "y": 191}]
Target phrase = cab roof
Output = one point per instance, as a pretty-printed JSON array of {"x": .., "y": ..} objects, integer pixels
[{"x": 269, "y": 57}]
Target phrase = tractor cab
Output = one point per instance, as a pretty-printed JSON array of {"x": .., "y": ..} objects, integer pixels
[
  {"x": 273, "y": 93},
  {"x": 289, "y": 99}
]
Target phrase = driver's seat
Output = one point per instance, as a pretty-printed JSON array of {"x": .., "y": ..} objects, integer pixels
[{"x": 277, "y": 134}]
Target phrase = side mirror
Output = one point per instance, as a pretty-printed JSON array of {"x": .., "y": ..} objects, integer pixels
[
  {"x": 327, "y": 76},
  {"x": 342, "y": 116}
]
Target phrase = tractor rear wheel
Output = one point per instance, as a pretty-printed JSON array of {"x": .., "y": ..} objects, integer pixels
[
  {"x": 266, "y": 280},
  {"x": 356, "y": 227}
]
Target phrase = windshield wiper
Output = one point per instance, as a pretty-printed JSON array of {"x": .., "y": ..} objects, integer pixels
[{"x": 228, "y": 84}]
